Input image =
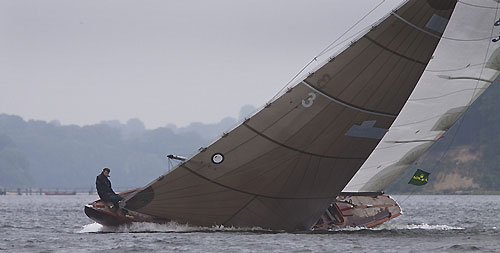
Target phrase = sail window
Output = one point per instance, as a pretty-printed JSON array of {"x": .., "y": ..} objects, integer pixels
[
  {"x": 437, "y": 23},
  {"x": 217, "y": 158}
]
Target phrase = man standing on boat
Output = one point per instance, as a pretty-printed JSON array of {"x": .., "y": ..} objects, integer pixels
[{"x": 104, "y": 189}]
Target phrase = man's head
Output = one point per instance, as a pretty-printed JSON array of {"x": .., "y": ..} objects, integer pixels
[{"x": 106, "y": 171}]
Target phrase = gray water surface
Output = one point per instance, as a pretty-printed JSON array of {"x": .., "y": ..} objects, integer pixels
[{"x": 441, "y": 223}]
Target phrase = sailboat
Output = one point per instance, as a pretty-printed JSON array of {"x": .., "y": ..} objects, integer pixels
[{"x": 320, "y": 154}]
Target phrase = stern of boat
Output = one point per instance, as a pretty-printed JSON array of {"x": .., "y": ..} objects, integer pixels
[{"x": 358, "y": 210}]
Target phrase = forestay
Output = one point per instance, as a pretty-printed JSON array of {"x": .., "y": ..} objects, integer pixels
[
  {"x": 465, "y": 63},
  {"x": 281, "y": 168}
]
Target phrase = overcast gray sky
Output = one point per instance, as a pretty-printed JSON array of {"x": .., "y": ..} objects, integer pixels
[{"x": 163, "y": 62}]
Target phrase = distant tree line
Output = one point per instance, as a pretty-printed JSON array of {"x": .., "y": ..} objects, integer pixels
[{"x": 47, "y": 154}]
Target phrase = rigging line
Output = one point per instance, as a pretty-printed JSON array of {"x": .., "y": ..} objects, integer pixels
[
  {"x": 344, "y": 40},
  {"x": 301, "y": 151},
  {"x": 325, "y": 50},
  {"x": 364, "y": 29},
  {"x": 251, "y": 193},
  {"x": 437, "y": 161},
  {"x": 352, "y": 27},
  {"x": 357, "y": 108},
  {"x": 362, "y": 69},
  {"x": 408, "y": 196},
  {"x": 232, "y": 173},
  {"x": 378, "y": 57}
]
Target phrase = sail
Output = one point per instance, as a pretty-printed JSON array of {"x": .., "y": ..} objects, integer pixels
[
  {"x": 282, "y": 167},
  {"x": 466, "y": 62}
]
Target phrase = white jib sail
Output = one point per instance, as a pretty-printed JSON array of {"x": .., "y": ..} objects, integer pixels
[{"x": 465, "y": 63}]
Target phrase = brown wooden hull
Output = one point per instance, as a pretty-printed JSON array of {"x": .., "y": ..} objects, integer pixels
[
  {"x": 348, "y": 210},
  {"x": 358, "y": 210},
  {"x": 103, "y": 213}
]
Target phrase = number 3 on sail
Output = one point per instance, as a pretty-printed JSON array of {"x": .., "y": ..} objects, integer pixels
[{"x": 308, "y": 102}]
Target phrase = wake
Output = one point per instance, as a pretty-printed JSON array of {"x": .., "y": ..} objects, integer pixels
[
  {"x": 173, "y": 227},
  {"x": 170, "y": 227}
]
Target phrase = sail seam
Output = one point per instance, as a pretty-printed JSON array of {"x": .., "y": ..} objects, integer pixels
[
  {"x": 239, "y": 210},
  {"x": 298, "y": 150},
  {"x": 249, "y": 193},
  {"x": 394, "y": 52},
  {"x": 434, "y": 35},
  {"x": 357, "y": 108},
  {"x": 414, "y": 26},
  {"x": 410, "y": 69},
  {"x": 396, "y": 74}
]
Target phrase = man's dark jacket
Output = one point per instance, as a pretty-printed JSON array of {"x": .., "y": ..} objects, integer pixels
[{"x": 103, "y": 186}]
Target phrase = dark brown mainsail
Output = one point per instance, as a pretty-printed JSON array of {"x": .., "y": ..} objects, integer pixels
[{"x": 281, "y": 168}]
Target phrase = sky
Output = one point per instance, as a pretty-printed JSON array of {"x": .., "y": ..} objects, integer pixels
[{"x": 163, "y": 62}]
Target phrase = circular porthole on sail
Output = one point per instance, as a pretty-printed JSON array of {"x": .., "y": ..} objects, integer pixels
[{"x": 217, "y": 158}]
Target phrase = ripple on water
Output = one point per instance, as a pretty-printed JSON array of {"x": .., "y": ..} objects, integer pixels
[
  {"x": 66, "y": 230},
  {"x": 465, "y": 248}
]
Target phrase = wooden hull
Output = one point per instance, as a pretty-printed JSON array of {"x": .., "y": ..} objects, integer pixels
[
  {"x": 358, "y": 210},
  {"x": 102, "y": 213},
  {"x": 348, "y": 210}
]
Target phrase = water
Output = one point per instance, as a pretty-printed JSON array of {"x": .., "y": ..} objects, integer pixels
[{"x": 429, "y": 223}]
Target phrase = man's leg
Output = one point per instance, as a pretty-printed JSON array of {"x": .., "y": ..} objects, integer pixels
[{"x": 115, "y": 199}]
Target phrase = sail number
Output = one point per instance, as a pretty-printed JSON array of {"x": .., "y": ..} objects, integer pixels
[
  {"x": 308, "y": 102},
  {"x": 497, "y": 23},
  {"x": 321, "y": 83}
]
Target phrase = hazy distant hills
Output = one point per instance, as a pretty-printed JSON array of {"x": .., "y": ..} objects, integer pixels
[
  {"x": 467, "y": 159},
  {"x": 50, "y": 155}
]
